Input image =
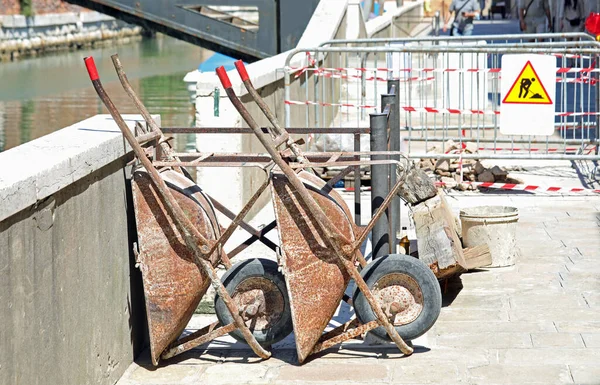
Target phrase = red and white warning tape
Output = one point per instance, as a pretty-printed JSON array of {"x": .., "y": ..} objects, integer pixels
[
  {"x": 566, "y": 150},
  {"x": 511, "y": 186},
  {"x": 426, "y": 109},
  {"x": 562, "y": 70},
  {"x": 311, "y": 103},
  {"x": 583, "y": 80},
  {"x": 448, "y": 111},
  {"x": 525, "y": 187},
  {"x": 416, "y": 79}
]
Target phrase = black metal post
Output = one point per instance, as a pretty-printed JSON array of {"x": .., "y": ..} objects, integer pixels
[
  {"x": 357, "y": 183},
  {"x": 379, "y": 184},
  {"x": 394, "y": 145}
]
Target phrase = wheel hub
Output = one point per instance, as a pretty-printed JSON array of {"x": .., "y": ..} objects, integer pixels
[
  {"x": 259, "y": 302},
  {"x": 400, "y": 297}
]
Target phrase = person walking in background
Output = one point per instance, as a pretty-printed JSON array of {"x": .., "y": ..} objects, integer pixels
[
  {"x": 464, "y": 13},
  {"x": 533, "y": 15},
  {"x": 572, "y": 16}
]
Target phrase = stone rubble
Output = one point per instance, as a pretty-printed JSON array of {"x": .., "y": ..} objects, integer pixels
[{"x": 448, "y": 171}]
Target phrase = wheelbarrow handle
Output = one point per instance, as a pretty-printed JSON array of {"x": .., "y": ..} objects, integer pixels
[
  {"x": 171, "y": 205},
  {"x": 91, "y": 68},
  {"x": 133, "y": 96},
  {"x": 241, "y": 69},
  {"x": 279, "y": 131},
  {"x": 223, "y": 77}
]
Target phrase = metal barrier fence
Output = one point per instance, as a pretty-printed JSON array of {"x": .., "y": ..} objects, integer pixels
[
  {"x": 490, "y": 39},
  {"x": 447, "y": 91}
]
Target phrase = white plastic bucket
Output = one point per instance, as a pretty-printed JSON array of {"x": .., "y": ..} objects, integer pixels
[{"x": 495, "y": 226}]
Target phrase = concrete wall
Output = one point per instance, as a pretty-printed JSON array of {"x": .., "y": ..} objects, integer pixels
[
  {"x": 72, "y": 301},
  {"x": 20, "y": 35}
]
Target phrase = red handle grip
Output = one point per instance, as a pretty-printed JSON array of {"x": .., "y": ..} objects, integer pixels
[
  {"x": 241, "y": 68},
  {"x": 222, "y": 74},
  {"x": 91, "y": 68}
]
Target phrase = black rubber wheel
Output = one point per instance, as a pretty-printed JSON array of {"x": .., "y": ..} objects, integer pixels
[
  {"x": 406, "y": 290},
  {"x": 259, "y": 290}
]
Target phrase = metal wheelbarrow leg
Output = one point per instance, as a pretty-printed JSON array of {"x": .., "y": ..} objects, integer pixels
[
  {"x": 201, "y": 248},
  {"x": 343, "y": 248}
]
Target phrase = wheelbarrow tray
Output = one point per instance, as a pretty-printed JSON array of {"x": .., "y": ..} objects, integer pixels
[
  {"x": 173, "y": 284},
  {"x": 315, "y": 278}
]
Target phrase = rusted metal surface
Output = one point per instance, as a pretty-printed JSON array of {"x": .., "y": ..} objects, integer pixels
[
  {"x": 203, "y": 336},
  {"x": 400, "y": 297},
  {"x": 260, "y": 302},
  {"x": 353, "y": 323},
  {"x": 147, "y": 137},
  {"x": 265, "y": 130},
  {"x": 173, "y": 285},
  {"x": 345, "y": 332},
  {"x": 447, "y": 271},
  {"x": 315, "y": 279}
]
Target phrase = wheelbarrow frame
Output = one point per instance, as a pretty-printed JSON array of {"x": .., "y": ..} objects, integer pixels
[
  {"x": 344, "y": 249},
  {"x": 202, "y": 248}
]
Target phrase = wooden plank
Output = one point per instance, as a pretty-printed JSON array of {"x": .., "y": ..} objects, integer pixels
[
  {"x": 438, "y": 244},
  {"x": 478, "y": 256}
]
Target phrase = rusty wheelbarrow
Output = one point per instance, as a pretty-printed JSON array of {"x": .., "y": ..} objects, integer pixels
[
  {"x": 396, "y": 296},
  {"x": 180, "y": 244}
]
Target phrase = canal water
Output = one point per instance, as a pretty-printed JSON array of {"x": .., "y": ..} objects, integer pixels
[{"x": 44, "y": 94}]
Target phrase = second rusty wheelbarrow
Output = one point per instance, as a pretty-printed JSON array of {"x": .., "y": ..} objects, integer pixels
[{"x": 396, "y": 296}]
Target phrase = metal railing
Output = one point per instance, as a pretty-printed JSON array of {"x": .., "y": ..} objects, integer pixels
[
  {"x": 491, "y": 39},
  {"x": 448, "y": 91}
]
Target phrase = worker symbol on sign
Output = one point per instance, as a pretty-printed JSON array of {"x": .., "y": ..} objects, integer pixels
[
  {"x": 527, "y": 89},
  {"x": 525, "y": 84}
]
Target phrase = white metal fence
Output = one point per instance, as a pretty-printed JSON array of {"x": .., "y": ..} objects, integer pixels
[{"x": 449, "y": 89}]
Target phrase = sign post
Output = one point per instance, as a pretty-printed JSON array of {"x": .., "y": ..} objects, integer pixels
[{"x": 528, "y": 90}]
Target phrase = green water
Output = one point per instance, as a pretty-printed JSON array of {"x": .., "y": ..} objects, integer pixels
[{"x": 44, "y": 94}]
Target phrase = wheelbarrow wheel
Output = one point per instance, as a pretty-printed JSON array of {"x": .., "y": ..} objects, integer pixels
[
  {"x": 259, "y": 291},
  {"x": 407, "y": 291}
]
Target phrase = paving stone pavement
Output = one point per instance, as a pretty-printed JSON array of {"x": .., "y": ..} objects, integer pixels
[{"x": 537, "y": 322}]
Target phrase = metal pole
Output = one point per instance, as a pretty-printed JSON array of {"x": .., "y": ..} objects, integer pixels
[
  {"x": 394, "y": 141},
  {"x": 357, "y": 183},
  {"x": 379, "y": 184}
]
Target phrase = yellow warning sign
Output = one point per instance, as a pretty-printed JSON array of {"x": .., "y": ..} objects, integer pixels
[{"x": 527, "y": 88}]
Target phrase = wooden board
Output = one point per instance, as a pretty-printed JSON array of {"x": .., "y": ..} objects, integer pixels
[
  {"x": 478, "y": 256},
  {"x": 439, "y": 244}
]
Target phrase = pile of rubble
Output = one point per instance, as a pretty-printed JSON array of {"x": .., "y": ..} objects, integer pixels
[{"x": 448, "y": 171}]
